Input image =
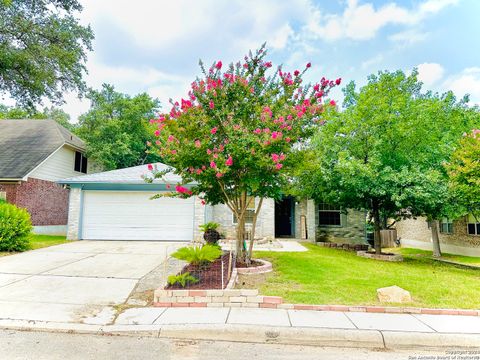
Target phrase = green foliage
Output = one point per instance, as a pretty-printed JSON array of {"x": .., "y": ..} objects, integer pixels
[
  {"x": 116, "y": 129},
  {"x": 42, "y": 49},
  {"x": 182, "y": 279},
  {"x": 198, "y": 255},
  {"x": 385, "y": 151},
  {"x": 15, "y": 228},
  {"x": 53, "y": 113},
  {"x": 209, "y": 226},
  {"x": 464, "y": 171}
]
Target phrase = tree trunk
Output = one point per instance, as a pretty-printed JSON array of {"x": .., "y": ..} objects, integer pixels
[
  {"x": 240, "y": 238},
  {"x": 254, "y": 225},
  {"x": 377, "y": 238},
  {"x": 435, "y": 238}
]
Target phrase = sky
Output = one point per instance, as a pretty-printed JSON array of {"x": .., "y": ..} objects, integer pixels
[{"x": 154, "y": 46}]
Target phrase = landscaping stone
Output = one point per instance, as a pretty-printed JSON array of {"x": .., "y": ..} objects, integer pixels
[
  {"x": 383, "y": 257},
  {"x": 394, "y": 294}
]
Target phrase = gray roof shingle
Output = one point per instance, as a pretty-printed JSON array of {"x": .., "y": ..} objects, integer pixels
[
  {"x": 130, "y": 175},
  {"x": 24, "y": 144}
]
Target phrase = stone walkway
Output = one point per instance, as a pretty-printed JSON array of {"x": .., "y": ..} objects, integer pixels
[{"x": 302, "y": 319}]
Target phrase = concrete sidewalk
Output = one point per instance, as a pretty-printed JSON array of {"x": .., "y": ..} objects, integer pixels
[{"x": 300, "y": 327}]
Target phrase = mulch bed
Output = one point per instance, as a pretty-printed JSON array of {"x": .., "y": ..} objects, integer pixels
[
  {"x": 210, "y": 276},
  {"x": 253, "y": 263}
]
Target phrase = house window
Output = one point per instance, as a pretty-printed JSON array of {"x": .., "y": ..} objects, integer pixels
[
  {"x": 329, "y": 215},
  {"x": 473, "y": 226},
  {"x": 446, "y": 226},
  {"x": 3, "y": 195},
  {"x": 249, "y": 212},
  {"x": 81, "y": 162}
]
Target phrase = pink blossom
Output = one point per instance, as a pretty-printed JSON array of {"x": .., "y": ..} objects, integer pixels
[
  {"x": 219, "y": 175},
  {"x": 168, "y": 186},
  {"x": 309, "y": 65},
  {"x": 211, "y": 105},
  {"x": 198, "y": 143},
  {"x": 266, "y": 131},
  {"x": 181, "y": 189},
  {"x": 209, "y": 152},
  {"x": 150, "y": 167},
  {"x": 213, "y": 165},
  {"x": 218, "y": 65},
  {"x": 213, "y": 131},
  {"x": 338, "y": 81},
  {"x": 257, "y": 131},
  {"x": 278, "y": 166},
  {"x": 174, "y": 152},
  {"x": 203, "y": 202},
  {"x": 296, "y": 73},
  {"x": 333, "y": 103},
  {"x": 282, "y": 157},
  {"x": 157, "y": 133},
  {"x": 215, "y": 156},
  {"x": 316, "y": 87},
  {"x": 170, "y": 138},
  {"x": 199, "y": 171},
  {"x": 229, "y": 161},
  {"x": 275, "y": 158},
  {"x": 287, "y": 139},
  {"x": 289, "y": 117}
]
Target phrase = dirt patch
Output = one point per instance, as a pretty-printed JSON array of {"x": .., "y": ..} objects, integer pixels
[
  {"x": 251, "y": 281},
  {"x": 209, "y": 276},
  {"x": 253, "y": 263}
]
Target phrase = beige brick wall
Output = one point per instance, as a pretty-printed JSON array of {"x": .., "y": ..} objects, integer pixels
[
  {"x": 265, "y": 222},
  {"x": 417, "y": 230},
  {"x": 74, "y": 204}
]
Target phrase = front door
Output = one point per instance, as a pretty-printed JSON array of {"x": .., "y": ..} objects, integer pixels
[{"x": 284, "y": 217}]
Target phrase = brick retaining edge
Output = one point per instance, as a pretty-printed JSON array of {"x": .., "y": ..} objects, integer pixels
[{"x": 250, "y": 298}]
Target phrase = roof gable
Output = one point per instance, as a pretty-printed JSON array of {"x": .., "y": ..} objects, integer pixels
[{"x": 25, "y": 144}]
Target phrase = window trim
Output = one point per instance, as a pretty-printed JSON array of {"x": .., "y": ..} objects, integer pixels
[
  {"x": 449, "y": 224},
  {"x": 476, "y": 225},
  {"x": 339, "y": 210},
  {"x": 251, "y": 208},
  {"x": 83, "y": 163}
]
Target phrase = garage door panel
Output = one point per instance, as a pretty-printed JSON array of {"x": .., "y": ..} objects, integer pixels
[{"x": 112, "y": 215}]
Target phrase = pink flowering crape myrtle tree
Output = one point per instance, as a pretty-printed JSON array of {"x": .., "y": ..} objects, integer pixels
[{"x": 231, "y": 139}]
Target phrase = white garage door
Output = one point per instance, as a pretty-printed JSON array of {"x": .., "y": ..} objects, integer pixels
[{"x": 124, "y": 215}]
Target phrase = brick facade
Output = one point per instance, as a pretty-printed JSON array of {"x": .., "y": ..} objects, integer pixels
[
  {"x": 415, "y": 233},
  {"x": 46, "y": 201}
]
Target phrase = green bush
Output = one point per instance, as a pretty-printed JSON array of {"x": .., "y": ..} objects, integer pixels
[
  {"x": 182, "y": 279},
  {"x": 209, "y": 226},
  {"x": 197, "y": 255},
  {"x": 15, "y": 228}
]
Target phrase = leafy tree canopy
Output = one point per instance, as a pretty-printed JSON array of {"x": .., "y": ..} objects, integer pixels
[
  {"x": 53, "y": 113},
  {"x": 116, "y": 129},
  {"x": 42, "y": 50},
  {"x": 385, "y": 152}
]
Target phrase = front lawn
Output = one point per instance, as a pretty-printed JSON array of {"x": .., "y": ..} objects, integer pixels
[
  {"x": 417, "y": 253},
  {"x": 330, "y": 276},
  {"x": 41, "y": 241}
]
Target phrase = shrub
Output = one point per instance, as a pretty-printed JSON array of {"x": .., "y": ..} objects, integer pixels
[
  {"x": 197, "y": 255},
  {"x": 182, "y": 279},
  {"x": 210, "y": 233},
  {"x": 15, "y": 228}
]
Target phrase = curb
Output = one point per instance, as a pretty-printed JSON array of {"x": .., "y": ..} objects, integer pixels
[{"x": 345, "y": 338}]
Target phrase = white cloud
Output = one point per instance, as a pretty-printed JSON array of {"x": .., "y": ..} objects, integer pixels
[
  {"x": 409, "y": 36},
  {"x": 362, "y": 21},
  {"x": 372, "y": 61},
  {"x": 466, "y": 82},
  {"x": 430, "y": 73}
]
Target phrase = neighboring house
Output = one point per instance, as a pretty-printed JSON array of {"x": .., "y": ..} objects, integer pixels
[
  {"x": 116, "y": 205},
  {"x": 461, "y": 236},
  {"x": 34, "y": 154}
]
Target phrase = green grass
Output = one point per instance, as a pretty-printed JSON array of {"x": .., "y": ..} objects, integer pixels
[
  {"x": 41, "y": 241},
  {"x": 330, "y": 276},
  {"x": 409, "y": 252}
]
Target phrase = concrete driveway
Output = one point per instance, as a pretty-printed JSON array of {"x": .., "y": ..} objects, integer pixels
[{"x": 76, "y": 282}]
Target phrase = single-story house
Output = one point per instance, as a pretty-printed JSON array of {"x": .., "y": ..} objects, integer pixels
[
  {"x": 116, "y": 205},
  {"x": 34, "y": 154},
  {"x": 460, "y": 236}
]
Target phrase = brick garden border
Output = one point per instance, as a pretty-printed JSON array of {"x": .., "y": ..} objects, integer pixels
[
  {"x": 265, "y": 268},
  {"x": 250, "y": 298}
]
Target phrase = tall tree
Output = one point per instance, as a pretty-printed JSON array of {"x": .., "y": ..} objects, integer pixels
[
  {"x": 464, "y": 171},
  {"x": 117, "y": 129},
  {"x": 233, "y": 137},
  {"x": 385, "y": 151},
  {"x": 42, "y": 49}
]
